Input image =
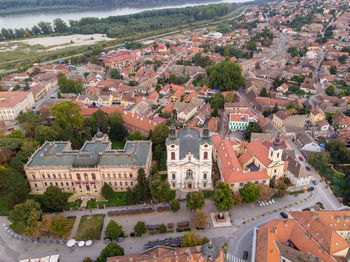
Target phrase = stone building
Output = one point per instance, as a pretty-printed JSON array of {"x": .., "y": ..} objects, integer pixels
[
  {"x": 86, "y": 170},
  {"x": 189, "y": 159}
]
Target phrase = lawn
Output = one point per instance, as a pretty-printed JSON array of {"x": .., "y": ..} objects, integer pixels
[
  {"x": 90, "y": 227},
  {"x": 118, "y": 144},
  {"x": 74, "y": 205},
  {"x": 119, "y": 199},
  {"x": 336, "y": 181},
  {"x": 3, "y": 206}
]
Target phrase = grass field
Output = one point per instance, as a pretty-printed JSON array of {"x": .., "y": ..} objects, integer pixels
[
  {"x": 119, "y": 199},
  {"x": 90, "y": 228}
]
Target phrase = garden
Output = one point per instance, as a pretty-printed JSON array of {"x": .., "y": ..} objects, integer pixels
[
  {"x": 90, "y": 227},
  {"x": 335, "y": 180}
]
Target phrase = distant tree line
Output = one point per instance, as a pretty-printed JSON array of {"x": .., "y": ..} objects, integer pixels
[{"x": 115, "y": 26}]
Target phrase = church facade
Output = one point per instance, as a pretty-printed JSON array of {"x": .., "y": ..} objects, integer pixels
[{"x": 189, "y": 159}]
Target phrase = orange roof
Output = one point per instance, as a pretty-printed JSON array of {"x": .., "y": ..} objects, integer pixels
[
  {"x": 108, "y": 110},
  {"x": 139, "y": 122},
  {"x": 12, "y": 98},
  {"x": 169, "y": 108},
  {"x": 311, "y": 232},
  {"x": 153, "y": 96},
  {"x": 239, "y": 118},
  {"x": 245, "y": 158},
  {"x": 260, "y": 152}
]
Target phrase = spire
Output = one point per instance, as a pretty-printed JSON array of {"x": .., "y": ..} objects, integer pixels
[{"x": 206, "y": 132}]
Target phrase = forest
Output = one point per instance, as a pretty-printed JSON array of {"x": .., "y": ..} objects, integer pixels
[
  {"x": 116, "y": 26},
  {"x": 31, "y": 4}
]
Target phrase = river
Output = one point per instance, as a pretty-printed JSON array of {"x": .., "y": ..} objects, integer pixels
[{"x": 30, "y": 19}]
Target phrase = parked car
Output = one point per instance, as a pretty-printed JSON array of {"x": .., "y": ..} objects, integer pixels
[
  {"x": 245, "y": 255},
  {"x": 301, "y": 158},
  {"x": 284, "y": 215},
  {"x": 310, "y": 189},
  {"x": 307, "y": 168}
]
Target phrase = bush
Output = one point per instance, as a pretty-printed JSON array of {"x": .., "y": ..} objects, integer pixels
[
  {"x": 208, "y": 193},
  {"x": 182, "y": 229},
  {"x": 111, "y": 250},
  {"x": 163, "y": 228},
  {"x": 175, "y": 205},
  {"x": 132, "y": 234}
]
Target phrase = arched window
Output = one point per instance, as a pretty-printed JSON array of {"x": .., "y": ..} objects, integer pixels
[
  {"x": 278, "y": 154},
  {"x": 172, "y": 155},
  {"x": 189, "y": 174},
  {"x": 205, "y": 155}
]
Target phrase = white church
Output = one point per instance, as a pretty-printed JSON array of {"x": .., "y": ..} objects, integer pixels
[{"x": 189, "y": 159}]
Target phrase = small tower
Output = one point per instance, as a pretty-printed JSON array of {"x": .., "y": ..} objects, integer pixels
[
  {"x": 172, "y": 132},
  {"x": 205, "y": 133},
  {"x": 276, "y": 150}
]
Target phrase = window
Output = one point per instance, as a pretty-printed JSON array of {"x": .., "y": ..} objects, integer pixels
[
  {"x": 130, "y": 175},
  {"x": 56, "y": 184},
  {"x": 114, "y": 176},
  {"x": 275, "y": 170},
  {"x": 125, "y": 175},
  {"x": 121, "y": 183},
  {"x": 264, "y": 181},
  {"x": 59, "y": 176},
  {"x": 256, "y": 182},
  {"x": 67, "y": 183},
  {"x": 79, "y": 186},
  {"x": 86, "y": 176},
  {"x": 205, "y": 155},
  {"x": 33, "y": 176},
  {"x": 232, "y": 185},
  {"x": 126, "y": 183},
  {"x": 70, "y": 176},
  {"x": 65, "y": 176},
  {"x": 48, "y": 176},
  {"x": 172, "y": 146},
  {"x": 54, "y": 176},
  {"x": 43, "y": 175},
  {"x": 131, "y": 183},
  {"x": 35, "y": 185},
  {"x": 204, "y": 184},
  {"x": 205, "y": 176},
  {"x": 173, "y": 184},
  {"x": 189, "y": 174},
  {"x": 172, "y": 155},
  {"x": 78, "y": 176},
  {"x": 120, "y": 175},
  {"x": 93, "y": 176},
  {"x": 240, "y": 184},
  {"x": 173, "y": 176},
  {"x": 271, "y": 153},
  {"x": 206, "y": 145},
  {"x": 278, "y": 154},
  {"x": 72, "y": 183},
  {"x": 62, "y": 184},
  {"x": 109, "y": 175},
  {"x": 110, "y": 183},
  {"x": 115, "y": 184}
]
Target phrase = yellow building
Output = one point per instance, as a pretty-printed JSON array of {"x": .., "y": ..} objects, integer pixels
[
  {"x": 13, "y": 103},
  {"x": 315, "y": 116}
]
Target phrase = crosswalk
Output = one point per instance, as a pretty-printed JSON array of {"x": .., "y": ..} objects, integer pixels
[{"x": 230, "y": 257}]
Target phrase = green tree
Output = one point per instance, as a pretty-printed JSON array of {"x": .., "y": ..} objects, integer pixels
[
  {"x": 192, "y": 239},
  {"x": 333, "y": 70},
  {"x": 338, "y": 152},
  {"x": 226, "y": 75},
  {"x": 24, "y": 217},
  {"x": 53, "y": 200},
  {"x": 69, "y": 85},
  {"x": 293, "y": 50},
  {"x": 142, "y": 189},
  {"x": 115, "y": 74},
  {"x": 330, "y": 91},
  {"x": 87, "y": 259},
  {"x": 11, "y": 143},
  {"x": 160, "y": 134},
  {"x": 136, "y": 136},
  {"x": 140, "y": 228},
  {"x": 175, "y": 205},
  {"x": 250, "y": 192},
  {"x": 117, "y": 130},
  {"x": 29, "y": 121},
  {"x": 319, "y": 160},
  {"x": 107, "y": 191},
  {"x": 111, "y": 250},
  {"x": 99, "y": 120},
  {"x": 16, "y": 188},
  {"x": 59, "y": 25},
  {"x": 67, "y": 115},
  {"x": 45, "y": 133},
  {"x": 113, "y": 230},
  {"x": 200, "y": 219},
  {"x": 229, "y": 97},
  {"x": 252, "y": 128},
  {"x": 223, "y": 196},
  {"x": 163, "y": 228},
  {"x": 281, "y": 189},
  {"x": 157, "y": 152},
  {"x": 160, "y": 189},
  {"x": 218, "y": 101},
  {"x": 195, "y": 200},
  {"x": 60, "y": 226},
  {"x": 263, "y": 92}
]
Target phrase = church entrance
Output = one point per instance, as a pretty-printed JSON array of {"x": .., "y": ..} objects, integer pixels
[{"x": 189, "y": 185}]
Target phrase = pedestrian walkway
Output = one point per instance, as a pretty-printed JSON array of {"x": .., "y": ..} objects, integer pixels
[
  {"x": 75, "y": 226},
  {"x": 230, "y": 257}
]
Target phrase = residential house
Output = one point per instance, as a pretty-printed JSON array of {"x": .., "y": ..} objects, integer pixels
[
  {"x": 296, "y": 172},
  {"x": 341, "y": 121},
  {"x": 185, "y": 111},
  {"x": 307, "y": 144},
  {"x": 315, "y": 116},
  {"x": 238, "y": 122}
]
